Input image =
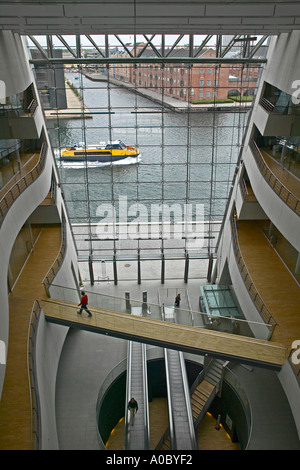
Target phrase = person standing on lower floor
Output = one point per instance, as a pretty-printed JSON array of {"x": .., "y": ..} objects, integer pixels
[
  {"x": 83, "y": 304},
  {"x": 177, "y": 300},
  {"x": 132, "y": 407}
]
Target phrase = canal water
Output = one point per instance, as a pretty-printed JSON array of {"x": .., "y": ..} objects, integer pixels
[{"x": 185, "y": 157}]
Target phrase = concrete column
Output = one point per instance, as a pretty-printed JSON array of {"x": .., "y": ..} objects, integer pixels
[{"x": 14, "y": 66}]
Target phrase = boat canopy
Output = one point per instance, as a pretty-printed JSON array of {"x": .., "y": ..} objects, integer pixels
[{"x": 117, "y": 144}]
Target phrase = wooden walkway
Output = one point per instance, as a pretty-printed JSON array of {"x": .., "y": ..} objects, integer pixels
[
  {"x": 277, "y": 287},
  {"x": 15, "y": 412},
  {"x": 169, "y": 335}
]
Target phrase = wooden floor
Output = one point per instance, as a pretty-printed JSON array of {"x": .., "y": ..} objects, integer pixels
[
  {"x": 15, "y": 406},
  {"x": 284, "y": 176},
  {"x": 208, "y": 437},
  {"x": 276, "y": 285}
]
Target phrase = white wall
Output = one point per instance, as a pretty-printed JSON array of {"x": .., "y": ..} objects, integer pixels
[
  {"x": 284, "y": 68},
  {"x": 290, "y": 385},
  {"x": 49, "y": 343}
]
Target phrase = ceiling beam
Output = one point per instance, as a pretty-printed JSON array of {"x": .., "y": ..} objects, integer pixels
[{"x": 148, "y": 60}]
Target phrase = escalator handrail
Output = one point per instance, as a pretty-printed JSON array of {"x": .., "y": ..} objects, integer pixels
[{"x": 188, "y": 402}]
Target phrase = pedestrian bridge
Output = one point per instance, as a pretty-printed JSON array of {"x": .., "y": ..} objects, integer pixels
[{"x": 195, "y": 340}]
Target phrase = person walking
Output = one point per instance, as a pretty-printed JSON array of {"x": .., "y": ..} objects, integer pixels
[
  {"x": 132, "y": 407},
  {"x": 83, "y": 304}
]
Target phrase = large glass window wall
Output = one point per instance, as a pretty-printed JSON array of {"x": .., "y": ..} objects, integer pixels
[{"x": 188, "y": 122}]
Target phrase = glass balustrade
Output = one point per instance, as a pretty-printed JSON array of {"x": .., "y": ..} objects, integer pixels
[{"x": 167, "y": 313}]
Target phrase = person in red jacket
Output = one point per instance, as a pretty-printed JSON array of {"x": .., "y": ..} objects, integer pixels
[{"x": 83, "y": 303}]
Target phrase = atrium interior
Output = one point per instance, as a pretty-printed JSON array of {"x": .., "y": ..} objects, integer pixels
[{"x": 149, "y": 156}]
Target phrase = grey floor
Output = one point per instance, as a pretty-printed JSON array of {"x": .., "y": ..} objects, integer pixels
[{"x": 273, "y": 426}]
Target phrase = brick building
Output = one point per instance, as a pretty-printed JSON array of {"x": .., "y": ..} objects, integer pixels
[{"x": 184, "y": 82}]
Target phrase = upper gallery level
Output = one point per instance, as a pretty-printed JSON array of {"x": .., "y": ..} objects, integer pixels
[
  {"x": 278, "y": 112},
  {"x": 20, "y": 116},
  {"x": 275, "y": 187}
]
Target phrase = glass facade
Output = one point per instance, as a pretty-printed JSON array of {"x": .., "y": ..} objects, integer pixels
[{"x": 187, "y": 121}]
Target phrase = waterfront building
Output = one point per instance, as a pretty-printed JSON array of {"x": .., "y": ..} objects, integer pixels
[{"x": 200, "y": 82}]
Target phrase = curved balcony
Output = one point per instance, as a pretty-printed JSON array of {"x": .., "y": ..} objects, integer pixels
[
  {"x": 287, "y": 195},
  {"x": 20, "y": 185},
  {"x": 248, "y": 281},
  {"x": 279, "y": 116},
  {"x": 271, "y": 285},
  {"x": 19, "y": 123},
  {"x": 268, "y": 279}
]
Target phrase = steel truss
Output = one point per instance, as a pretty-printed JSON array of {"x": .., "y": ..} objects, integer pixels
[{"x": 240, "y": 49}]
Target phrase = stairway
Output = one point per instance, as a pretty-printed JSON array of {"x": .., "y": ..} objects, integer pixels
[
  {"x": 200, "y": 397},
  {"x": 213, "y": 373},
  {"x": 206, "y": 391},
  {"x": 167, "y": 444}
]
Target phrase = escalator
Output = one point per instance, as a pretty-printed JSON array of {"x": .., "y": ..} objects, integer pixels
[
  {"x": 182, "y": 431},
  {"x": 137, "y": 435}
]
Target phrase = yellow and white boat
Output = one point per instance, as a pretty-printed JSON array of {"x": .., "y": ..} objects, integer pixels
[{"x": 104, "y": 152}]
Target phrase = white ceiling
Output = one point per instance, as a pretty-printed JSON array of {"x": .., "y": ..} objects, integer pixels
[{"x": 146, "y": 16}]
